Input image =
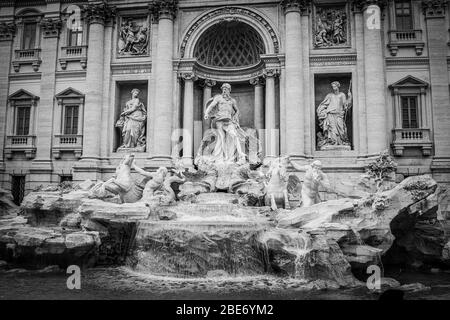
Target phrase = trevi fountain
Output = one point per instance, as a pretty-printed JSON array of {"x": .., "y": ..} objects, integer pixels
[{"x": 230, "y": 226}]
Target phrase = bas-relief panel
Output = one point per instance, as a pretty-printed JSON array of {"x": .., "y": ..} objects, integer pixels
[
  {"x": 330, "y": 26},
  {"x": 133, "y": 36}
]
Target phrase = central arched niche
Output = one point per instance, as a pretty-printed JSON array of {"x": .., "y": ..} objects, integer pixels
[{"x": 229, "y": 45}]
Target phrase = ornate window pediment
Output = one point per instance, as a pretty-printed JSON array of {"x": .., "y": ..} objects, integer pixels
[
  {"x": 411, "y": 116},
  {"x": 409, "y": 82},
  {"x": 71, "y": 94},
  {"x": 68, "y": 137},
  {"x": 23, "y": 95},
  {"x": 20, "y": 124}
]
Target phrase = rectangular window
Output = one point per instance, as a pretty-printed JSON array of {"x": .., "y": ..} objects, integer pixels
[
  {"x": 71, "y": 120},
  {"x": 29, "y": 35},
  {"x": 403, "y": 15},
  {"x": 75, "y": 37},
  {"x": 409, "y": 112},
  {"x": 18, "y": 189},
  {"x": 23, "y": 121}
]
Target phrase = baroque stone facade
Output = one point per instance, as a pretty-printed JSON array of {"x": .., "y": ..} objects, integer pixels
[{"x": 67, "y": 70}]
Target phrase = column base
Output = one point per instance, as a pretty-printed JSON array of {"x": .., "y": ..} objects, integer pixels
[
  {"x": 440, "y": 165},
  {"x": 159, "y": 161},
  {"x": 188, "y": 161}
]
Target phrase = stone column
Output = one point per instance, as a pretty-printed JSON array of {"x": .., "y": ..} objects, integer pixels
[
  {"x": 258, "y": 121},
  {"x": 7, "y": 32},
  {"x": 375, "y": 86},
  {"x": 295, "y": 108},
  {"x": 258, "y": 84},
  {"x": 272, "y": 135},
  {"x": 97, "y": 14},
  {"x": 162, "y": 130},
  {"x": 42, "y": 164},
  {"x": 207, "y": 94},
  {"x": 437, "y": 30},
  {"x": 359, "y": 87},
  {"x": 188, "y": 118}
]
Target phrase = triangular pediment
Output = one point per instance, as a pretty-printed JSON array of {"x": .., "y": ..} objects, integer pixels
[
  {"x": 22, "y": 95},
  {"x": 69, "y": 93},
  {"x": 409, "y": 82}
]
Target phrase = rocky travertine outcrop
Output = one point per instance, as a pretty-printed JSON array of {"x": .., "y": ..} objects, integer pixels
[
  {"x": 215, "y": 234},
  {"x": 7, "y": 205},
  {"x": 307, "y": 256},
  {"x": 47, "y": 208},
  {"x": 36, "y": 248},
  {"x": 403, "y": 219}
]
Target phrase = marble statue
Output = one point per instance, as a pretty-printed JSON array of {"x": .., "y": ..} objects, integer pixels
[
  {"x": 122, "y": 184},
  {"x": 279, "y": 184},
  {"x": 227, "y": 133},
  {"x": 332, "y": 113},
  {"x": 314, "y": 178},
  {"x": 132, "y": 122},
  {"x": 158, "y": 189},
  {"x": 133, "y": 39}
]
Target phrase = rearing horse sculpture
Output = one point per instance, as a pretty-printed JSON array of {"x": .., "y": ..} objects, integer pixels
[{"x": 279, "y": 184}]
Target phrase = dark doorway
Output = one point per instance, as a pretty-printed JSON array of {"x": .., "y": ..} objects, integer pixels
[{"x": 18, "y": 189}]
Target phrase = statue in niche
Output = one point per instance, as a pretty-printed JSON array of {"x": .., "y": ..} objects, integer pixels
[
  {"x": 331, "y": 27},
  {"x": 332, "y": 113},
  {"x": 226, "y": 137},
  {"x": 132, "y": 122},
  {"x": 133, "y": 38}
]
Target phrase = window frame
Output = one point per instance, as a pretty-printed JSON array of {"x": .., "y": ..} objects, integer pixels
[
  {"x": 35, "y": 37},
  {"x": 64, "y": 130},
  {"x": 408, "y": 98},
  {"x": 402, "y": 17},
  {"x": 79, "y": 31}
]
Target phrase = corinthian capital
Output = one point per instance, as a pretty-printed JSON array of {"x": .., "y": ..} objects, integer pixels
[
  {"x": 99, "y": 12},
  {"x": 164, "y": 9},
  {"x": 295, "y": 5},
  {"x": 7, "y": 31},
  {"x": 51, "y": 27},
  {"x": 186, "y": 76},
  {"x": 434, "y": 8}
]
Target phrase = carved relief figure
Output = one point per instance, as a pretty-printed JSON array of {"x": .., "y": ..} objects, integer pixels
[
  {"x": 158, "y": 188},
  {"x": 121, "y": 184},
  {"x": 133, "y": 38},
  {"x": 132, "y": 122},
  {"x": 314, "y": 178},
  {"x": 332, "y": 113},
  {"x": 330, "y": 27},
  {"x": 223, "y": 111}
]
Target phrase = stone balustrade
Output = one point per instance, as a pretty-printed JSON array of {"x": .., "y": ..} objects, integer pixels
[
  {"x": 416, "y": 137},
  {"x": 405, "y": 38},
  {"x": 20, "y": 143},
  {"x": 73, "y": 54},
  {"x": 27, "y": 56},
  {"x": 67, "y": 143}
]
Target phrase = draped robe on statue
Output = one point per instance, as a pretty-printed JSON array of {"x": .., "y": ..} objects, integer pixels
[{"x": 331, "y": 114}]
